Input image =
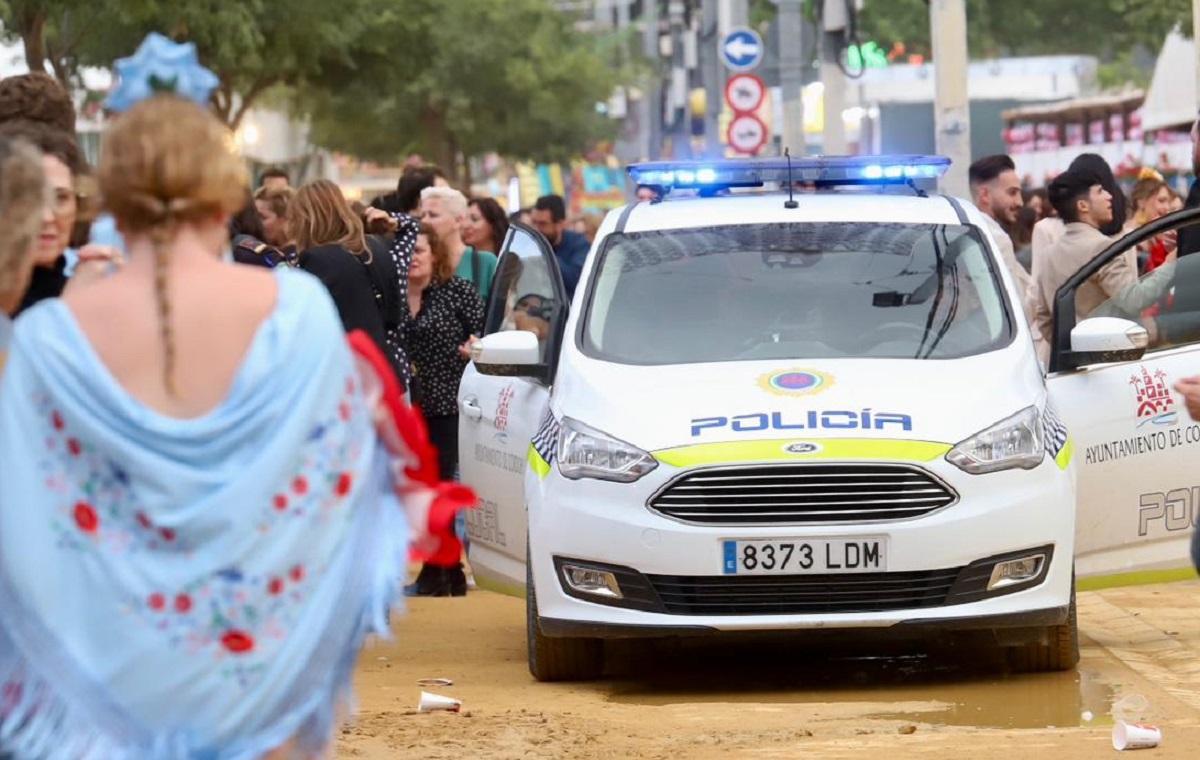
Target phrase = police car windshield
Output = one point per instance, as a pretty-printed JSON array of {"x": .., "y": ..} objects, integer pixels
[{"x": 795, "y": 291}]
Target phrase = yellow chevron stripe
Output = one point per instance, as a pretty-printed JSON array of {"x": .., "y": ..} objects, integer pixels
[
  {"x": 536, "y": 463},
  {"x": 1063, "y": 457}
]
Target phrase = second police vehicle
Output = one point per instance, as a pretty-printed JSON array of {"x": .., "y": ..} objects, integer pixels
[{"x": 763, "y": 411}]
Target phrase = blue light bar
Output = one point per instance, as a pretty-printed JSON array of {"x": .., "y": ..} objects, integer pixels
[{"x": 820, "y": 170}]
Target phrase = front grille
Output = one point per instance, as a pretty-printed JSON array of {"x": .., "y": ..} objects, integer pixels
[
  {"x": 802, "y": 493},
  {"x": 803, "y": 594}
]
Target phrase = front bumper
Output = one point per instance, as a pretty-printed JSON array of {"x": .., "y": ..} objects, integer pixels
[
  {"x": 921, "y": 628},
  {"x": 999, "y": 514}
]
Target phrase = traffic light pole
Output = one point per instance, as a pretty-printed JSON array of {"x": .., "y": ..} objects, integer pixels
[
  {"x": 677, "y": 93},
  {"x": 952, "y": 113},
  {"x": 652, "y": 107},
  {"x": 714, "y": 82},
  {"x": 791, "y": 73},
  {"x": 834, "y": 81}
]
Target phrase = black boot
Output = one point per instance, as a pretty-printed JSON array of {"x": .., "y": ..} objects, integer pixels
[
  {"x": 456, "y": 580},
  {"x": 427, "y": 581},
  {"x": 438, "y": 581}
]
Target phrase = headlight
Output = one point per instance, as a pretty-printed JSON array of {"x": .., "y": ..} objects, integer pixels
[
  {"x": 1012, "y": 442},
  {"x": 585, "y": 452}
]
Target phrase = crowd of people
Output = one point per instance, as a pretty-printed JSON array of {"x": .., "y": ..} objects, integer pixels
[
  {"x": 1045, "y": 235},
  {"x": 217, "y": 469},
  {"x": 413, "y": 270}
]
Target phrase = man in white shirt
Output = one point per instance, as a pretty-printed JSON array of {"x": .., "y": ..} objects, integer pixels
[{"x": 996, "y": 191}]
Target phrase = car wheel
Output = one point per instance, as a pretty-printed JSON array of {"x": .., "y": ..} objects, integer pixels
[
  {"x": 553, "y": 658},
  {"x": 1059, "y": 651}
]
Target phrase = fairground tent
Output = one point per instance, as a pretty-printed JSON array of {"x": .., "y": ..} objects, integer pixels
[{"x": 1171, "y": 99}]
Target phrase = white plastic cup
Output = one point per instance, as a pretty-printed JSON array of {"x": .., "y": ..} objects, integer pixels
[
  {"x": 430, "y": 702},
  {"x": 1135, "y": 735}
]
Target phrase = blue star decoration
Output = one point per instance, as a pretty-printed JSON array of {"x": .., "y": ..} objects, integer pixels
[{"x": 160, "y": 65}]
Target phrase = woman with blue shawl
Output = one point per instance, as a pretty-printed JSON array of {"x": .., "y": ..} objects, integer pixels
[{"x": 199, "y": 519}]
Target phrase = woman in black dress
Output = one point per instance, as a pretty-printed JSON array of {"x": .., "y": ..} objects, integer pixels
[
  {"x": 444, "y": 312},
  {"x": 332, "y": 245}
]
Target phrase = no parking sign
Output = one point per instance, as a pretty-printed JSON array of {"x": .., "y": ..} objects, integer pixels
[
  {"x": 746, "y": 134},
  {"x": 744, "y": 93}
]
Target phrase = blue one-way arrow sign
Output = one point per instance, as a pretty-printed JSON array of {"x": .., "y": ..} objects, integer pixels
[{"x": 742, "y": 49}]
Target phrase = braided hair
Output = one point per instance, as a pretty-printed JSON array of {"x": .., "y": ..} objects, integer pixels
[{"x": 167, "y": 163}]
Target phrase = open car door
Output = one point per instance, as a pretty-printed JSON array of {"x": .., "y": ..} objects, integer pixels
[
  {"x": 499, "y": 412},
  {"x": 1111, "y": 378}
]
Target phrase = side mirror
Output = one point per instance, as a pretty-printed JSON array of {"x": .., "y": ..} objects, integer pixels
[
  {"x": 1107, "y": 339},
  {"x": 512, "y": 353}
]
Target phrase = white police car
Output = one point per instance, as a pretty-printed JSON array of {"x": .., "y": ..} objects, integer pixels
[{"x": 761, "y": 414}]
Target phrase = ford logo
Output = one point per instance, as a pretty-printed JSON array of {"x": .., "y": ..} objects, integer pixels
[{"x": 802, "y": 447}]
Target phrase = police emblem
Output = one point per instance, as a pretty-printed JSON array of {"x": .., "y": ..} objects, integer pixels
[{"x": 795, "y": 382}]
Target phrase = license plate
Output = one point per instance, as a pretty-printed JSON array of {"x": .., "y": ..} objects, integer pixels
[{"x": 802, "y": 556}]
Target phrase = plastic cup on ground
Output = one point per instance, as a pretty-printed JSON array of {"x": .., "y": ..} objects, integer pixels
[
  {"x": 431, "y": 702},
  {"x": 1135, "y": 735}
]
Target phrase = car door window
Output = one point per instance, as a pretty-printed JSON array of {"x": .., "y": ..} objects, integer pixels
[
  {"x": 524, "y": 293},
  {"x": 1165, "y": 300}
]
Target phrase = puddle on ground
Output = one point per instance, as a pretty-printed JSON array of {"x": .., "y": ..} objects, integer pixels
[{"x": 955, "y": 688}]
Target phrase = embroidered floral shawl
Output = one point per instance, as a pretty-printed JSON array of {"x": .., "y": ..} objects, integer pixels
[{"x": 189, "y": 588}]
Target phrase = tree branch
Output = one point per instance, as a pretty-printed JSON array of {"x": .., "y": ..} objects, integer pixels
[
  {"x": 248, "y": 99},
  {"x": 33, "y": 34},
  {"x": 222, "y": 101}
]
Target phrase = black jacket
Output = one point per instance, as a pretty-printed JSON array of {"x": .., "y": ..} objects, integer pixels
[
  {"x": 1180, "y": 322},
  {"x": 1189, "y": 237},
  {"x": 45, "y": 282},
  {"x": 348, "y": 279}
]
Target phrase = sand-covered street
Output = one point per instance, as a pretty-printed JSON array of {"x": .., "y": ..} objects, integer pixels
[{"x": 702, "y": 700}]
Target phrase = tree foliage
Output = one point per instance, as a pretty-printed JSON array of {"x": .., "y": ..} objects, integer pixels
[
  {"x": 462, "y": 78},
  {"x": 1105, "y": 28},
  {"x": 52, "y": 30},
  {"x": 250, "y": 44}
]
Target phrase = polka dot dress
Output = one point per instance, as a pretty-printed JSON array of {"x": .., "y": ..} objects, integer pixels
[
  {"x": 401, "y": 252},
  {"x": 450, "y": 313}
]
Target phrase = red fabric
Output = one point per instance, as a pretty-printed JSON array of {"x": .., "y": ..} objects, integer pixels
[
  {"x": 1157, "y": 254},
  {"x": 448, "y": 498}
]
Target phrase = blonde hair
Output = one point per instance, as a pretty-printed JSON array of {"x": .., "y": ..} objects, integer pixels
[
  {"x": 1148, "y": 186},
  {"x": 456, "y": 202},
  {"x": 168, "y": 162},
  {"x": 443, "y": 268},
  {"x": 320, "y": 215},
  {"x": 22, "y": 197},
  {"x": 1149, "y": 172}
]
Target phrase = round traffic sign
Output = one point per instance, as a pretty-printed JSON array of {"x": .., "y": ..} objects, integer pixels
[
  {"x": 745, "y": 92},
  {"x": 742, "y": 49},
  {"x": 746, "y": 134}
]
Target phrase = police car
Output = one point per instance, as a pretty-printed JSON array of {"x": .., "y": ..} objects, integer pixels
[{"x": 774, "y": 410}]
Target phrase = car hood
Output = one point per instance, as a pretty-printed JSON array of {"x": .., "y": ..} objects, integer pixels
[{"x": 663, "y": 407}]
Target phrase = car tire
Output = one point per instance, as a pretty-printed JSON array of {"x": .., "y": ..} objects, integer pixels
[
  {"x": 553, "y": 658},
  {"x": 1059, "y": 652}
]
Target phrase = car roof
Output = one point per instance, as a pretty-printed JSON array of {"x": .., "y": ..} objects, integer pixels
[{"x": 768, "y": 208}]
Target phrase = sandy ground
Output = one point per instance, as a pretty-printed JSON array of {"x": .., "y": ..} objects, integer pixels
[{"x": 779, "y": 701}]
